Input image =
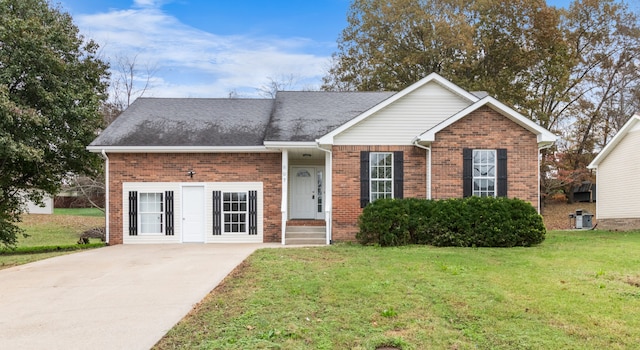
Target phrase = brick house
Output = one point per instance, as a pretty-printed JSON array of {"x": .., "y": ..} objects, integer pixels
[{"x": 300, "y": 167}]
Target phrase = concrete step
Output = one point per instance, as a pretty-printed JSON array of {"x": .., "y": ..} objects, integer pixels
[
  {"x": 305, "y": 235},
  {"x": 296, "y": 235},
  {"x": 299, "y": 241},
  {"x": 306, "y": 229}
]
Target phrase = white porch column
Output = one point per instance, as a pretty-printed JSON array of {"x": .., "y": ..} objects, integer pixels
[
  {"x": 285, "y": 192},
  {"x": 328, "y": 204}
]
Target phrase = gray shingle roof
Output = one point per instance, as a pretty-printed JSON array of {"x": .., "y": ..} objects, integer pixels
[
  {"x": 308, "y": 115},
  {"x": 292, "y": 116},
  {"x": 189, "y": 122}
]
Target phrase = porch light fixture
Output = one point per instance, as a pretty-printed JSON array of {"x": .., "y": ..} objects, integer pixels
[
  {"x": 306, "y": 155},
  {"x": 191, "y": 173}
]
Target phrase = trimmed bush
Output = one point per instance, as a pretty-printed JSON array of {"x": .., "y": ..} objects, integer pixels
[
  {"x": 473, "y": 221},
  {"x": 384, "y": 222}
]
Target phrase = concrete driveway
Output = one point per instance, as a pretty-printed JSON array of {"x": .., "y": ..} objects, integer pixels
[{"x": 118, "y": 297}]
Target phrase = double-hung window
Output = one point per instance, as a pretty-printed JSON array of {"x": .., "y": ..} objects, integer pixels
[
  {"x": 484, "y": 173},
  {"x": 151, "y": 213},
  {"x": 381, "y": 176},
  {"x": 234, "y": 211}
]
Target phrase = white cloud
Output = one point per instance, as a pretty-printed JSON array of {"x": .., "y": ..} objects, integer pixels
[
  {"x": 149, "y": 3},
  {"x": 193, "y": 63}
]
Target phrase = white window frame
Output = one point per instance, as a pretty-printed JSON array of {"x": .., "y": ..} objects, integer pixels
[
  {"x": 144, "y": 213},
  {"x": 231, "y": 212},
  {"x": 481, "y": 172},
  {"x": 373, "y": 163}
]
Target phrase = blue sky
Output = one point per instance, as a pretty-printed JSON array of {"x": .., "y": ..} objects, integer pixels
[{"x": 208, "y": 48}]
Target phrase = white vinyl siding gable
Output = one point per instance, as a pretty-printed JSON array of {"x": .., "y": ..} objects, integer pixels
[
  {"x": 400, "y": 122},
  {"x": 618, "y": 179}
]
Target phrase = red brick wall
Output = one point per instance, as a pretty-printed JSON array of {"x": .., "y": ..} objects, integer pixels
[
  {"x": 482, "y": 129},
  {"x": 485, "y": 129},
  {"x": 209, "y": 167},
  {"x": 346, "y": 184}
]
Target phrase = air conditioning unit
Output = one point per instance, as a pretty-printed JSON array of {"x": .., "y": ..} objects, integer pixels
[{"x": 582, "y": 219}]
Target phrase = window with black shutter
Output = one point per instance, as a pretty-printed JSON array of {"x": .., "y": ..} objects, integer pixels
[
  {"x": 381, "y": 176},
  {"x": 151, "y": 213},
  {"x": 484, "y": 172},
  {"x": 235, "y": 212}
]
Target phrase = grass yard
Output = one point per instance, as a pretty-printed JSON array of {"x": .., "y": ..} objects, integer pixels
[
  {"x": 577, "y": 290},
  {"x": 60, "y": 229}
]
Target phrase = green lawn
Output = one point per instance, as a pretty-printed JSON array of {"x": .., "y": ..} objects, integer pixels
[
  {"x": 63, "y": 228},
  {"x": 577, "y": 290},
  {"x": 79, "y": 212}
]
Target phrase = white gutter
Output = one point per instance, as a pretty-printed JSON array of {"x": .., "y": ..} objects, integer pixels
[
  {"x": 328, "y": 198},
  {"x": 106, "y": 195},
  {"x": 428, "y": 161},
  {"x": 289, "y": 144},
  {"x": 179, "y": 149}
]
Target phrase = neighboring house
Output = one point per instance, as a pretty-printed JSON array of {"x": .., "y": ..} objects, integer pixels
[
  {"x": 617, "y": 167},
  {"x": 45, "y": 208},
  {"x": 255, "y": 170}
]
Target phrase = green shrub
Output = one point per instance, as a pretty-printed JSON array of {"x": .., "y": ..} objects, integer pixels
[
  {"x": 473, "y": 221},
  {"x": 384, "y": 222}
]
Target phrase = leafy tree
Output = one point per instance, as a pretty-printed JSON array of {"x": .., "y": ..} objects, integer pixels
[{"x": 51, "y": 88}]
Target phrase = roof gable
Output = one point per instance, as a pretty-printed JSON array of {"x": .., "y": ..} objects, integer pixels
[
  {"x": 431, "y": 78},
  {"x": 545, "y": 137},
  {"x": 633, "y": 124}
]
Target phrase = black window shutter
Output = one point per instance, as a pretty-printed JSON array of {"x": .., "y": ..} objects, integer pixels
[
  {"x": 467, "y": 172},
  {"x": 253, "y": 212},
  {"x": 364, "y": 179},
  {"x": 168, "y": 211},
  {"x": 502, "y": 172},
  {"x": 217, "y": 213},
  {"x": 133, "y": 213},
  {"x": 398, "y": 174}
]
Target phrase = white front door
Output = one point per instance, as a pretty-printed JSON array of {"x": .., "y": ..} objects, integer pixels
[
  {"x": 193, "y": 214},
  {"x": 303, "y": 192}
]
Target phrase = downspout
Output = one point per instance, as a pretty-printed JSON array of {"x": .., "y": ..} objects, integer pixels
[
  {"x": 328, "y": 202},
  {"x": 106, "y": 195},
  {"x": 428, "y": 161},
  {"x": 285, "y": 193},
  {"x": 540, "y": 148}
]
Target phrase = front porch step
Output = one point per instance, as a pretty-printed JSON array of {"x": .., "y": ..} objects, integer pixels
[
  {"x": 305, "y": 222},
  {"x": 305, "y": 235}
]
